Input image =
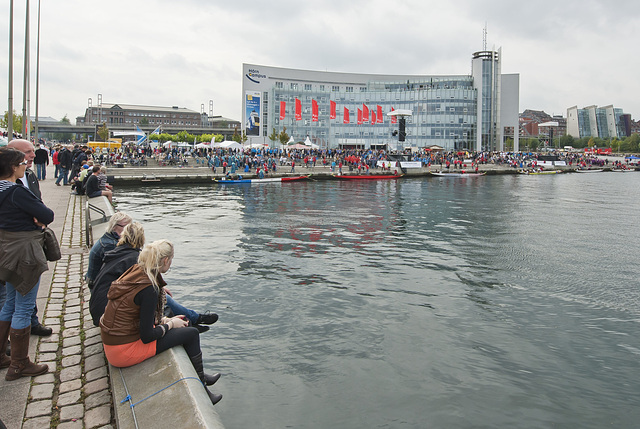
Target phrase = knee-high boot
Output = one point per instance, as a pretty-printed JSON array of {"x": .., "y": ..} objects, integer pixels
[
  {"x": 20, "y": 365},
  {"x": 207, "y": 380},
  {"x": 4, "y": 339}
]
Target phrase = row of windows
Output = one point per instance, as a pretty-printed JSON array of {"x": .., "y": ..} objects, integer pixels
[{"x": 96, "y": 112}]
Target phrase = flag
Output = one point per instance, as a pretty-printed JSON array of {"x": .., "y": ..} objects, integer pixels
[
  {"x": 359, "y": 116},
  {"x": 157, "y": 130},
  {"x": 314, "y": 110},
  {"x": 365, "y": 113},
  {"x": 345, "y": 120},
  {"x": 332, "y": 114},
  {"x": 380, "y": 119},
  {"x": 394, "y": 119},
  {"x": 142, "y": 137},
  {"x": 373, "y": 117},
  {"x": 283, "y": 109},
  {"x": 298, "y": 110}
]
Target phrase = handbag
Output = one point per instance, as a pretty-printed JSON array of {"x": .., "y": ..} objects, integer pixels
[{"x": 51, "y": 246}]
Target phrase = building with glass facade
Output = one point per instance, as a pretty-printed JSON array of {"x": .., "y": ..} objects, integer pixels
[
  {"x": 348, "y": 110},
  {"x": 592, "y": 121}
]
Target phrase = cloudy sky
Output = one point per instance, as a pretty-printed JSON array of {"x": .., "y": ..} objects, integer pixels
[{"x": 187, "y": 52}]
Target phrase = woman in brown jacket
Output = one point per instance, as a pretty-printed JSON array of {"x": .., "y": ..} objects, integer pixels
[{"x": 133, "y": 327}]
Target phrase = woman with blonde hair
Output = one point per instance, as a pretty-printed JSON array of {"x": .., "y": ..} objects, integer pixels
[{"x": 133, "y": 326}]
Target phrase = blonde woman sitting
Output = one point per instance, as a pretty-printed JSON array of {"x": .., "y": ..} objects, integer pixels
[{"x": 133, "y": 327}]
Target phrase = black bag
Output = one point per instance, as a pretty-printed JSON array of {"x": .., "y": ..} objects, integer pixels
[{"x": 51, "y": 246}]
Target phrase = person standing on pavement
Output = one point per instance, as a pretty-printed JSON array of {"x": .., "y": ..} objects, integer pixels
[
  {"x": 41, "y": 161},
  {"x": 30, "y": 181},
  {"x": 64, "y": 157},
  {"x": 54, "y": 160},
  {"x": 22, "y": 217}
]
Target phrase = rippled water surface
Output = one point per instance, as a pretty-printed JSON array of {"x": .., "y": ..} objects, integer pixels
[{"x": 504, "y": 301}]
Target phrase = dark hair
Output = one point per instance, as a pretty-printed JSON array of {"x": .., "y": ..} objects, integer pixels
[
  {"x": 95, "y": 169},
  {"x": 9, "y": 158}
]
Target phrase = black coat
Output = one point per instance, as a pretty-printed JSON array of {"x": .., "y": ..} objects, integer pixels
[
  {"x": 65, "y": 159},
  {"x": 115, "y": 263}
]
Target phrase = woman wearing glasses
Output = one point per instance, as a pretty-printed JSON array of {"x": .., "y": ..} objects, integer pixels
[{"x": 22, "y": 261}]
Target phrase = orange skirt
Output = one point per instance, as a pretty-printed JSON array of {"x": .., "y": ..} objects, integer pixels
[{"x": 129, "y": 354}]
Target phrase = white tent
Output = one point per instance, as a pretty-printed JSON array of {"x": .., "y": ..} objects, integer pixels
[
  {"x": 203, "y": 146},
  {"x": 291, "y": 141},
  {"x": 309, "y": 143},
  {"x": 227, "y": 144},
  {"x": 256, "y": 146},
  {"x": 169, "y": 144}
]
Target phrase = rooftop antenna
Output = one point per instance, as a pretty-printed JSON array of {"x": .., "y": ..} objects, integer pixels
[{"x": 484, "y": 37}]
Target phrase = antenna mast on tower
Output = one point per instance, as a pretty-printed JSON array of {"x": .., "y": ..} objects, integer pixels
[{"x": 484, "y": 37}]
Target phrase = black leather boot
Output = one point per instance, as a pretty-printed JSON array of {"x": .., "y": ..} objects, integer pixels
[
  {"x": 206, "y": 379},
  {"x": 4, "y": 340}
]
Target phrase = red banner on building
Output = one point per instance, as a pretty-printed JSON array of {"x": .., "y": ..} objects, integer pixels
[
  {"x": 298, "y": 110},
  {"x": 359, "y": 116},
  {"x": 373, "y": 117},
  {"x": 332, "y": 113},
  {"x": 380, "y": 120},
  {"x": 345, "y": 119},
  {"x": 314, "y": 111},
  {"x": 365, "y": 113},
  {"x": 394, "y": 119},
  {"x": 283, "y": 109}
]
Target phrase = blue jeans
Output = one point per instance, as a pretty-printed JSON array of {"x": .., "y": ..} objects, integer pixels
[
  {"x": 179, "y": 309},
  {"x": 3, "y": 295},
  {"x": 62, "y": 175},
  {"x": 56, "y": 171},
  {"x": 41, "y": 171},
  {"x": 17, "y": 308}
]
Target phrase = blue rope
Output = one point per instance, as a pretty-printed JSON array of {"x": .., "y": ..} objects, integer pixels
[{"x": 129, "y": 398}]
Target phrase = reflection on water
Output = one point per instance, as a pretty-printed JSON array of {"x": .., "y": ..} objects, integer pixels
[{"x": 473, "y": 302}]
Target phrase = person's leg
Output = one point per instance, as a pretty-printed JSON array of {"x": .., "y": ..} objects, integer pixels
[
  {"x": 179, "y": 309},
  {"x": 23, "y": 307}
]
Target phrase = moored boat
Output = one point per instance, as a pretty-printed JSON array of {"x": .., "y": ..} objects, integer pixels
[
  {"x": 597, "y": 170},
  {"x": 458, "y": 174},
  {"x": 224, "y": 181},
  {"x": 367, "y": 176}
]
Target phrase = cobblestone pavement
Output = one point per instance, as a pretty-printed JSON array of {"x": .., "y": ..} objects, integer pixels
[{"x": 75, "y": 393}]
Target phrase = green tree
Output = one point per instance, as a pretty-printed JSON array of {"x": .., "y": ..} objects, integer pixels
[
  {"x": 236, "y": 136},
  {"x": 283, "y": 136},
  {"x": 144, "y": 121},
  {"x": 63, "y": 137},
  {"x": 567, "y": 140},
  {"x": 273, "y": 136},
  {"x": 103, "y": 132},
  {"x": 17, "y": 121}
]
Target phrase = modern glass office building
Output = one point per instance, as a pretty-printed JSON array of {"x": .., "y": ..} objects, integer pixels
[
  {"x": 592, "y": 121},
  {"x": 348, "y": 110}
]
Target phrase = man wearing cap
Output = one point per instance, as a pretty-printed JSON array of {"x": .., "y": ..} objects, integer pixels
[{"x": 30, "y": 181}]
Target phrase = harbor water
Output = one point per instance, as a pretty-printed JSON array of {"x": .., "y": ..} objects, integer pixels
[{"x": 496, "y": 301}]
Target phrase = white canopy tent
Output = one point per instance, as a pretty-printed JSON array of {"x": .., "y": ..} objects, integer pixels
[
  {"x": 309, "y": 143},
  {"x": 228, "y": 144}
]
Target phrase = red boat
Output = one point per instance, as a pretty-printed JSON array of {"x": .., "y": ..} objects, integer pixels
[{"x": 368, "y": 176}]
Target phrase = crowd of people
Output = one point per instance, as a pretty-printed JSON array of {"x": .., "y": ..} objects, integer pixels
[{"x": 137, "y": 314}]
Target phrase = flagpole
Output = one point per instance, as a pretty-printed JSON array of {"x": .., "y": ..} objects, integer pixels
[
  {"x": 37, "y": 72},
  {"x": 25, "y": 92},
  {"x": 10, "y": 92}
]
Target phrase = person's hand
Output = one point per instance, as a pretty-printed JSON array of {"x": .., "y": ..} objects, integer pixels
[
  {"x": 167, "y": 291},
  {"x": 40, "y": 224},
  {"x": 178, "y": 322}
]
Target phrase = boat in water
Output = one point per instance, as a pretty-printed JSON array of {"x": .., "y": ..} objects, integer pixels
[
  {"x": 587, "y": 170},
  {"x": 367, "y": 176},
  {"x": 541, "y": 172},
  {"x": 458, "y": 174},
  {"x": 224, "y": 181}
]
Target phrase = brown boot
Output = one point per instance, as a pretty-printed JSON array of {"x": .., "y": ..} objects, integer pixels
[
  {"x": 21, "y": 366},
  {"x": 4, "y": 339}
]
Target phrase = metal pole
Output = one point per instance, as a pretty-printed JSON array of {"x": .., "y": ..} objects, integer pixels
[
  {"x": 10, "y": 107},
  {"x": 37, "y": 72},
  {"x": 25, "y": 93}
]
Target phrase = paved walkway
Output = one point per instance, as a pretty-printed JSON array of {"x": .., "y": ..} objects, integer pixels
[{"x": 75, "y": 393}]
